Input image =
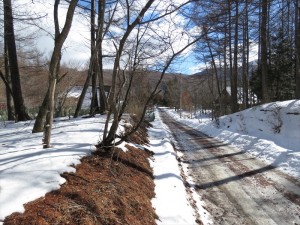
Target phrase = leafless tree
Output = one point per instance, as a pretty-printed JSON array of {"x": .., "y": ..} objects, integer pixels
[
  {"x": 48, "y": 106},
  {"x": 109, "y": 135},
  {"x": 297, "y": 36},
  {"x": 12, "y": 63},
  {"x": 96, "y": 60},
  {"x": 264, "y": 49}
]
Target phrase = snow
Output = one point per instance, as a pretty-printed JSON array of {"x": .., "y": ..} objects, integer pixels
[
  {"x": 171, "y": 204},
  {"x": 75, "y": 92},
  {"x": 27, "y": 171},
  {"x": 270, "y": 132}
]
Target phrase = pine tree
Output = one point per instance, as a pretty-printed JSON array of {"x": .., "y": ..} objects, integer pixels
[{"x": 281, "y": 77}]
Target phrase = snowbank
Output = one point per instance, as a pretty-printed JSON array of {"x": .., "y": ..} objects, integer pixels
[
  {"x": 171, "y": 201},
  {"x": 270, "y": 132}
]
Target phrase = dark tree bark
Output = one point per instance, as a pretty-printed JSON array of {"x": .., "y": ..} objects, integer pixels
[
  {"x": 264, "y": 50},
  {"x": 230, "y": 45},
  {"x": 95, "y": 67},
  {"x": 245, "y": 57},
  {"x": 224, "y": 109},
  {"x": 41, "y": 117},
  {"x": 234, "y": 100},
  {"x": 215, "y": 69},
  {"x": 60, "y": 38},
  {"x": 94, "y": 108},
  {"x": 225, "y": 55},
  {"x": 5, "y": 79},
  {"x": 83, "y": 92},
  {"x": 213, "y": 62},
  {"x": 103, "y": 105},
  {"x": 9, "y": 36},
  {"x": 9, "y": 100},
  {"x": 297, "y": 28}
]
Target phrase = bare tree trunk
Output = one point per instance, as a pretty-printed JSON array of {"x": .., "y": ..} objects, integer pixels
[
  {"x": 269, "y": 48},
  {"x": 9, "y": 103},
  {"x": 103, "y": 106},
  {"x": 114, "y": 96},
  {"x": 154, "y": 92},
  {"x": 49, "y": 115},
  {"x": 94, "y": 108},
  {"x": 9, "y": 36},
  {"x": 247, "y": 55},
  {"x": 41, "y": 117},
  {"x": 264, "y": 50},
  {"x": 259, "y": 34},
  {"x": 132, "y": 72},
  {"x": 234, "y": 100},
  {"x": 225, "y": 66},
  {"x": 39, "y": 125},
  {"x": 297, "y": 29},
  {"x": 230, "y": 46},
  {"x": 109, "y": 136},
  {"x": 245, "y": 58},
  {"x": 213, "y": 63},
  {"x": 126, "y": 97},
  {"x": 54, "y": 65},
  {"x": 95, "y": 66},
  {"x": 217, "y": 112},
  {"x": 83, "y": 92}
]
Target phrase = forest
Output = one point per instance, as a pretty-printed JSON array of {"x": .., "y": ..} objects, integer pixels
[{"x": 247, "y": 53}]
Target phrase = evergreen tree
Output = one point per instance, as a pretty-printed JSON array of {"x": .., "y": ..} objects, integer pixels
[
  {"x": 281, "y": 77},
  {"x": 280, "y": 74}
]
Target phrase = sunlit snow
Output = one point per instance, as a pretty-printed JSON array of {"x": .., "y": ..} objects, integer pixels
[{"x": 27, "y": 171}]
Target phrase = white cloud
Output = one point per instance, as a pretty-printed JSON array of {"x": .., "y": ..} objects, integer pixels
[{"x": 77, "y": 47}]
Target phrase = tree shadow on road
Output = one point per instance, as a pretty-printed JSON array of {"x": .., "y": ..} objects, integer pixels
[{"x": 233, "y": 178}]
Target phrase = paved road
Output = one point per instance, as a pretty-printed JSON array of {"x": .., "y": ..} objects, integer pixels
[{"x": 237, "y": 188}]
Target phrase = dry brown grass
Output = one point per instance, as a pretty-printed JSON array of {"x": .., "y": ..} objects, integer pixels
[{"x": 106, "y": 189}]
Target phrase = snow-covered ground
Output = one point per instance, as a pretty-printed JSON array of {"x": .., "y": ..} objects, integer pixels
[
  {"x": 171, "y": 202},
  {"x": 270, "y": 132},
  {"x": 27, "y": 171},
  {"x": 75, "y": 92}
]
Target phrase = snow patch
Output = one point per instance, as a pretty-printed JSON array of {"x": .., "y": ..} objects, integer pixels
[
  {"x": 171, "y": 201},
  {"x": 270, "y": 132}
]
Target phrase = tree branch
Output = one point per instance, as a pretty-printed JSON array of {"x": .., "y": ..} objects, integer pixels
[
  {"x": 62, "y": 77},
  {"x": 6, "y": 83},
  {"x": 154, "y": 92}
]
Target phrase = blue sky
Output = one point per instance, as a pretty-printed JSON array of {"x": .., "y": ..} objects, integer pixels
[
  {"x": 76, "y": 49},
  {"x": 187, "y": 65}
]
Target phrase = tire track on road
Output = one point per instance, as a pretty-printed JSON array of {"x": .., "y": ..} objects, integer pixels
[{"x": 236, "y": 187}]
